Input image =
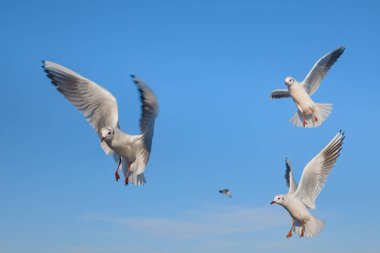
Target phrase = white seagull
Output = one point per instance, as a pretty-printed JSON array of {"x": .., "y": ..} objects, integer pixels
[
  {"x": 301, "y": 198},
  {"x": 309, "y": 114},
  {"x": 226, "y": 192},
  {"x": 99, "y": 107}
]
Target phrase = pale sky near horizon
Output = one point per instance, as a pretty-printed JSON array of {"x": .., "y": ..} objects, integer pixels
[{"x": 212, "y": 65}]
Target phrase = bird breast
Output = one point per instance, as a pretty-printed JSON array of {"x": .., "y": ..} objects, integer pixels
[
  {"x": 301, "y": 98},
  {"x": 297, "y": 209},
  {"x": 124, "y": 146}
]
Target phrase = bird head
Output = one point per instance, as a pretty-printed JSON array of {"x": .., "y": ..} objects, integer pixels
[
  {"x": 279, "y": 199},
  {"x": 106, "y": 134},
  {"x": 289, "y": 81}
]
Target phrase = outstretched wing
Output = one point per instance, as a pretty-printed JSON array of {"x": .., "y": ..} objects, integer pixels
[
  {"x": 318, "y": 72},
  {"x": 148, "y": 116},
  {"x": 290, "y": 182},
  {"x": 96, "y": 103},
  {"x": 315, "y": 174},
  {"x": 279, "y": 94}
]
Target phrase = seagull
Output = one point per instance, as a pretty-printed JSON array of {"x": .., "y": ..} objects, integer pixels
[
  {"x": 226, "y": 192},
  {"x": 99, "y": 107},
  {"x": 301, "y": 198},
  {"x": 309, "y": 114}
]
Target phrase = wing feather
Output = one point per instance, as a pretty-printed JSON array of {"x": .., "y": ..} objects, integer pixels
[
  {"x": 276, "y": 94},
  {"x": 315, "y": 174},
  {"x": 149, "y": 113},
  {"x": 321, "y": 67},
  {"x": 97, "y": 104},
  {"x": 290, "y": 182}
]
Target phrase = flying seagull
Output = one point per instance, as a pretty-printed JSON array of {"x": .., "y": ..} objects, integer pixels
[
  {"x": 99, "y": 107},
  {"x": 226, "y": 192},
  {"x": 301, "y": 198},
  {"x": 309, "y": 114}
]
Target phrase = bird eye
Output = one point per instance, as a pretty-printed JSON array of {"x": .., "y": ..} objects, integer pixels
[
  {"x": 109, "y": 132},
  {"x": 282, "y": 198},
  {"x": 278, "y": 198}
]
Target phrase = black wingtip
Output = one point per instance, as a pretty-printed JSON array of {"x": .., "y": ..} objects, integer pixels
[
  {"x": 341, "y": 49},
  {"x": 133, "y": 76},
  {"x": 342, "y": 134}
]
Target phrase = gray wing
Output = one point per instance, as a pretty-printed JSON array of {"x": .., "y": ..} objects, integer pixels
[
  {"x": 96, "y": 103},
  {"x": 318, "y": 72},
  {"x": 290, "y": 182},
  {"x": 148, "y": 116},
  {"x": 315, "y": 174},
  {"x": 279, "y": 94}
]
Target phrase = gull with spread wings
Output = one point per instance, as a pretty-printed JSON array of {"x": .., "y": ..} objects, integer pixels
[
  {"x": 99, "y": 107},
  {"x": 309, "y": 114},
  {"x": 301, "y": 198}
]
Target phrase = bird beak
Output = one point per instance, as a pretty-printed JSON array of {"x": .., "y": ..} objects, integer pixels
[
  {"x": 273, "y": 202},
  {"x": 102, "y": 139}
]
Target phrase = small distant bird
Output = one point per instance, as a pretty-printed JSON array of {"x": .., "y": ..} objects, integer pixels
[
  {"x": 226, "y": 192},
  {"x": 301, "y": 198},
  {"x": 309, "y": 114},
  {"x": 99, "y": 107}
]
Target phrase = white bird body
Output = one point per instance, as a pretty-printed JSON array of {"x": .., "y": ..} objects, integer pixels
[
  {"x": 301, "y": 98},
  {"x": 130, "y": 148},
  {"x": 124, "y": 144},
  {"x": 99, "y": 106},
  {"x": 301, "y": 198},
  {"x": 309, "y": 114},
  {"x": 226, "y": 192},
  {"x": 296, "y": 208}
]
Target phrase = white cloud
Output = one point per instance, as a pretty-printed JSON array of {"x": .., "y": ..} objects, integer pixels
[{"x": 194, "y": 224}]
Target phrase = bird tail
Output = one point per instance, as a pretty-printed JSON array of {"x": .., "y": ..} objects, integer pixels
[
  {"x": 312, "y": 227},
  {"x": 321, "y": 111},
  {"x": 133, "y": 176}
]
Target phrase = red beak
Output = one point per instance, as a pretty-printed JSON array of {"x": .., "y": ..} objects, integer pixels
[{"x": 273, "y": 202}]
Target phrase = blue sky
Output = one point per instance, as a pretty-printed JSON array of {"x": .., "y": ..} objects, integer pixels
[{"x": 212, "y": 65}]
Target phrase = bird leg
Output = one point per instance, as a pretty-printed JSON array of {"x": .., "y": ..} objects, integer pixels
[
  {"x": 303, "y": 119},
  {"x": 126, "y": 176},
  {"x": 303, "y": 228},
  {"x": 315, "y": 117},
  {"x": 117, "y": 170},
  {"x": 290, "y": 231}
]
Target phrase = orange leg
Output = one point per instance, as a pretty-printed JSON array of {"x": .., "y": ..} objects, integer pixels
[
  {"x": 303, "y": 119},
  {"x": 290, "y": 231},
  {"x": 303, "y": 228},
  {"x": 126, "y": 176},
  {"x": 117, "y": 170},
  {"x": 315, "y": 117}
]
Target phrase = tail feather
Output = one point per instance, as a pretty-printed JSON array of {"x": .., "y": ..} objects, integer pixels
[
  {"x": 312, "y": 227},
  {"x": 322, "y": 111},
  {"x": 133, "y": 176}
]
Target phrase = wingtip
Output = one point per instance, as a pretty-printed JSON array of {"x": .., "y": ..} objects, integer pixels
[
  {"x": 342, "y": 134},
  {"x": 341, "y": 49},
  {"x": 133, "y": 76},
  {"x": 287, "y": 161}
]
